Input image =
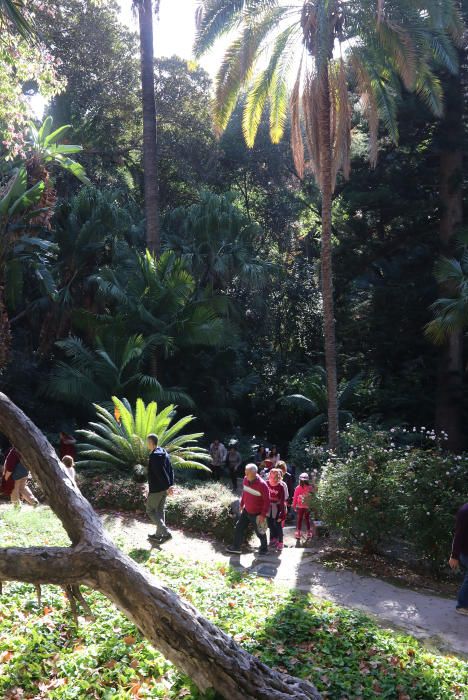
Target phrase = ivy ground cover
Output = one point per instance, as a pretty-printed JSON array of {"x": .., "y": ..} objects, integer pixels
[{"x": 43, "y": 654}]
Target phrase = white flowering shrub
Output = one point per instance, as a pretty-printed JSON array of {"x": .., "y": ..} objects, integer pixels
[
  {"x": 386, "y": 487},
  {"x": 355, "y": 496}
]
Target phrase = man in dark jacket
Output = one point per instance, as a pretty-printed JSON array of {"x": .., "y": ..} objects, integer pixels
[
  {"x": 160, "y": 485},
  {"x": 459, "y": 556}
]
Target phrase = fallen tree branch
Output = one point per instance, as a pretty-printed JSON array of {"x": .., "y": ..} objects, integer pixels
[{"x": 209, "y": 656}]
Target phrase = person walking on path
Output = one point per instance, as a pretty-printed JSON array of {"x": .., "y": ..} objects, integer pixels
[
  {"x": 301, "y": 505},
  {"x": 277, "y": 511},
  {"x": 160, "y": 486},
  {"x": 17, "y": 472},
  {"x": 288, "y": 480},
  {"x": 254, "y": 508},
  {"x": 233, "y": 461},
  {"x": 459, "y": 556},
  {"x": 218, "y": 454}
]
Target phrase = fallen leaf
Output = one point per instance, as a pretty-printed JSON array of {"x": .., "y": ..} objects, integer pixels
[
  {"x": 129, "y": 640},
  {"x": 5, "y": 656}
]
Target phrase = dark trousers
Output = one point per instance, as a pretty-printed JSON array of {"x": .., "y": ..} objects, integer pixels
[
  {"x": 463, "y": 592},
  {"x": 276, "y": 529},
  {"x": 216, "y": 471},
  {"x": 242, "y": 524},
  {"x": 233, "y": 474}
]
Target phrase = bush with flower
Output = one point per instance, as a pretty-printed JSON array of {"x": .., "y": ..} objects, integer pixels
[{"x": 398, "y": 483}]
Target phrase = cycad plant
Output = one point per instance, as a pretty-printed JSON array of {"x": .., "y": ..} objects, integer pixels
[
  {"x": 325, "y": 49},
  {"x": 312, "y": 402},
  {"x": 118, "y": 441}
]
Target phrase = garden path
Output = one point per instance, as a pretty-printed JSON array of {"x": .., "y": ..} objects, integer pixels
[{"x": 430, "y": 618}]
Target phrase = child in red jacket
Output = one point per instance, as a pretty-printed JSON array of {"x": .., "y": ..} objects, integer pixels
[{"x": 301, "y": 505}]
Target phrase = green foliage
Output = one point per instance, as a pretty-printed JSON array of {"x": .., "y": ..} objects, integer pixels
[
  {"x": 121, "y": 444},
  {"x": 206, "y": 509},
  {"x": 313, "y": 401},
  {"x": 110, "y": 490},
  {"x": 114, "y": 364},
  {"x": 45, "y": 147},
  {"x": 97, "y": 58},
  {"x": 343, "y": 652},
  {"x": 451, "y": 311},
  {"x": 386, "y": 487},
  {"x": 218, "y": 242}
]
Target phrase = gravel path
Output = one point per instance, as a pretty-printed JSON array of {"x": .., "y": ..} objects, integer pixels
[{"x": 428, "y": 617}]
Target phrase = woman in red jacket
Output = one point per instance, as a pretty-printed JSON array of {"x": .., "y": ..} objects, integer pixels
[{"x": 277, "y": 512}]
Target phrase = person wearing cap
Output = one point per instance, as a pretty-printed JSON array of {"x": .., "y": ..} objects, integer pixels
[
  {"x": 254, "y": 508},
  {"x": 301, "y": 504}
]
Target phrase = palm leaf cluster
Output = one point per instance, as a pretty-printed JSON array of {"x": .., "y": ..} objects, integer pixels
[
  {"x": 120, "y": 442},
  {"x": 158, "y": 297},
  {"x": 113, "y": 363},
  {"x": 312, "y": 401},
  {"x": 323, "y": 48},
  {"x": 451, "y": 310},
  {"x": 218, "y": 243}
]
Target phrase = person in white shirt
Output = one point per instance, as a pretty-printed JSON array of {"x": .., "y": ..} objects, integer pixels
[{"x": 218, "y": 454}]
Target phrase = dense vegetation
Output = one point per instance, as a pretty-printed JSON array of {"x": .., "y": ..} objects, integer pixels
[
  {"x": 231, "y": 317},
  {"x": 343, "y": 652}
]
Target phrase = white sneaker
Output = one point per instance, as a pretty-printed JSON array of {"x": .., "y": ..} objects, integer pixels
[{"x": 462, "y": 611}]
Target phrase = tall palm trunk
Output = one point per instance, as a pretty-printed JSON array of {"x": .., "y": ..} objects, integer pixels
[
  {"x": 150, "y": 149},
  {"x": 326, "y": 256},
  {"x": 449, "y": 401}
]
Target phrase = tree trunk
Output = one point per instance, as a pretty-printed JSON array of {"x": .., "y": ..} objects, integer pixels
[
  {"x": 449, "y": 400},
  {"x": 209, "y": 656},
  {"x": 150, "y": 146},
  {"x": 326, "y": 257}
]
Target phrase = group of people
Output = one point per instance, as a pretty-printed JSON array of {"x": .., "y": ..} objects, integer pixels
[
  {"x": 264, "y": 503},
  {"x": 267, "y": 494}
]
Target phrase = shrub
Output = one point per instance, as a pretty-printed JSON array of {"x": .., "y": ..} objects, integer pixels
[
  {"x": 357, "y": 498},
  {"x": 384, "y": 488},
  {"x": 112, "y": 492},
  {"x": 431, "y": 487},
  {"x": 208, "y": 509},
  {"x": 205, "y": 508}
]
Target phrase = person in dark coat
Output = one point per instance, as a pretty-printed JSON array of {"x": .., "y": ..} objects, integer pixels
[
  {"x": 459, "y": 556},
  {"x": 160, "y": 486}
]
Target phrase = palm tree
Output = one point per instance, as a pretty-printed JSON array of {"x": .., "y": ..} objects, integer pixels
[
  {"x": 116, "y": 362},
  {"x": 157, "y": 297},
  {"x": 120, "y": 442},
  {"x": 218, "y": 242},
  {"x": 330, "y": 46},
  {"x": 150, "y": 147},
  {"x": 313, "y": 402}
]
